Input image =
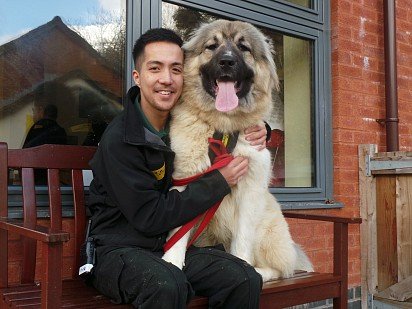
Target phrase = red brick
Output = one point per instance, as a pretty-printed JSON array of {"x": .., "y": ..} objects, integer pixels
[
  {"x": 354, "y": 279},
  {"x": 354, "y": 253},
  {"x": 343, "y": 136},
  {"x": 344, "y": 6},
  {"x": 349, "y": 45},
  {"x": 323, "y": 229},
  {"x": 345, "y": 162},
  {"x": 348, "y": 149},
  {"x": 364, "y": 12},
  {"x": 366, "y": 137}
]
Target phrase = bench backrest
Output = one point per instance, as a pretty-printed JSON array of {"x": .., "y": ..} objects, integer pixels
[{"x": 52, "y": 158}]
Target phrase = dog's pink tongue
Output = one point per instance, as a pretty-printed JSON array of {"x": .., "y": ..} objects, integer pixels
[{"x": 226, "y": 98}]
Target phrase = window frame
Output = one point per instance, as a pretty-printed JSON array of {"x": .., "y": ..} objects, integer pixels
[{"x": 293, "y": 20}]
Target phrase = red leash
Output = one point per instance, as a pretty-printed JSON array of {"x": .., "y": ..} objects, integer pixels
[{"x": 222, "y": 159}]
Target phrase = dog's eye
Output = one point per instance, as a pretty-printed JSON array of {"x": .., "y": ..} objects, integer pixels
[
  {"x": 244, "y": 48},
  {"x": 211, "y": 46}
]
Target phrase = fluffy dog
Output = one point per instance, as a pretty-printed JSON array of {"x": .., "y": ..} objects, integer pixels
[{"x": 229, "y": 76}]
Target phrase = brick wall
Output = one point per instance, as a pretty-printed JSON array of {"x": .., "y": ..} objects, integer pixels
[{"x": 358, "y": 99}]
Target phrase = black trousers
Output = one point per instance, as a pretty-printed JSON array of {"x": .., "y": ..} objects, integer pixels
[{"x": 142, "y": 278}]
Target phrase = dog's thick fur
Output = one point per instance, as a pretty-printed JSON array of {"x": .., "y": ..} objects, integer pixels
[{"x": 249, "y": 221}]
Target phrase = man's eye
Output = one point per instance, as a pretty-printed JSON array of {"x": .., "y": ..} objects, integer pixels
[
  {"x": 177, "y": 70},
  {"x": 153, "y": 68},
  {"x": 211, "y": 46}
]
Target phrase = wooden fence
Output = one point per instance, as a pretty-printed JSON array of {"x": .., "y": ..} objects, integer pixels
[{"x": 385, "y": 188}]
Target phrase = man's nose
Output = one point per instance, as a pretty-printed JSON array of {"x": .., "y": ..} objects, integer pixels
[{"x": 166, "y": 77}]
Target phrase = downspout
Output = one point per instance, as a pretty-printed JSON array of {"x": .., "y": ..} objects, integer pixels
[{"x": 391, "y": 85}]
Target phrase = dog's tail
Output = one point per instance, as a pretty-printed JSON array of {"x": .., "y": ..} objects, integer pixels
[{"x": 303, "y": 262}]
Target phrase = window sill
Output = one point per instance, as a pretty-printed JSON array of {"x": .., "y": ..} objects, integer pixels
[{"x": 309, "y": 205}]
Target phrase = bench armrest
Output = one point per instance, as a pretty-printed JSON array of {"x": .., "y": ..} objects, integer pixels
[
  {"x": 39, "y": 233},
  {"x": 299, "y": 215}
]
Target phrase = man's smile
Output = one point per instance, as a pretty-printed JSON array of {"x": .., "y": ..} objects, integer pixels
[{"x": 165, "y": 92}]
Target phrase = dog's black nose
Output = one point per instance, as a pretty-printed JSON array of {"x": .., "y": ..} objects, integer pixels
[{"x": 227, "y": 61}]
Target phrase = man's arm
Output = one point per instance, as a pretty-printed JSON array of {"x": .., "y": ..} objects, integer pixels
[{"x": 122, "y": 172}]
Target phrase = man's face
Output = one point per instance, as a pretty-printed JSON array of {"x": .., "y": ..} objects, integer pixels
[
  {"x": 37, "y": 112},
  {"x": 160, "y": 76}
]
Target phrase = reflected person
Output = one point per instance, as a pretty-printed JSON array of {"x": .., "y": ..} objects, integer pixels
[{"x": 45, "y": 129}]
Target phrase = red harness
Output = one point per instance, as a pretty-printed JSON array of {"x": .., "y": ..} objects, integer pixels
[{"x": 222, "y": 159}]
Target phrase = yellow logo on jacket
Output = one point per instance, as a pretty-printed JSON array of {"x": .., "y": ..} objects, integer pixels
[
  {"x": 160, "y": 173},
  {"x": 225, "y": 139}
]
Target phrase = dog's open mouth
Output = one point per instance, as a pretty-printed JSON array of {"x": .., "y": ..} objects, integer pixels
[
  {"x": 227, "y": 84},
  {"x": 226, "y": 95}
]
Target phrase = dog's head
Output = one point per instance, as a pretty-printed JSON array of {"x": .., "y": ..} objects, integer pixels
[{"x": 229, "y": 70}]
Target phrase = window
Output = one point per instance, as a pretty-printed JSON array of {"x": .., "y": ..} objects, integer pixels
[
  {"x": 77, "y": 56},
  {"x": 61, "y": 70},
  {"x": 300, "y": 149},
  {"x": 291, "y": 141}
]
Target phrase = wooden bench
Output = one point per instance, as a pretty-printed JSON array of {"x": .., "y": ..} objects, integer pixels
[{"x": 50, "y": 291}]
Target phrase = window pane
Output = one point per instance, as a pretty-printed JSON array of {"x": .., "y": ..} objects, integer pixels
[
  {"x": 292, "y": 121},
  {"x": 305, "y": 3},
  {"x": 61, "y": 70}
]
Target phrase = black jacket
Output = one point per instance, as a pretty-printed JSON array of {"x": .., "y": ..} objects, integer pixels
[
  {"x": 129, "y": 198},
  {"x": 45, "y": 131}
]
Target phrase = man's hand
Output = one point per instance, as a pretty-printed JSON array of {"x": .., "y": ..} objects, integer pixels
[
  {"x": 256, "y": 136},
  {"x": 234, "y": 170}
]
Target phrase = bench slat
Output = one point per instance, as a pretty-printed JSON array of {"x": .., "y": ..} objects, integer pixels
[
  {"x": 298, "y": 282},
  {"x": 296, "y": 296},
  {"x": 75, "y": 295},
  {"x": 52, "y": 156},
  {"x": 79, "y": 216},
  {"x": 55, "y": 201},
  {"x": 39, "y": 233},
  {"x": 325, "y": 218},
  {"x": 30, "y": 218},
  {"x": 304, "y": 286}
]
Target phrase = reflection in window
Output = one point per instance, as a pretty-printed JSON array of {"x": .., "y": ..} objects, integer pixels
[
  {"x": 61, "y": 76},
  {"x": 305, "y": 3},
  {"x": 292, "y": 139},
  {"x": 65, "y": 71}
]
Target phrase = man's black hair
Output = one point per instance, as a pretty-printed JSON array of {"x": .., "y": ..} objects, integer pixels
[
  {"x": 50, "y": 111},
  {"x": 155, "y": 35}
]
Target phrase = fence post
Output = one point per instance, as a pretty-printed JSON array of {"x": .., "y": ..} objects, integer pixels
[{"x": 367, "y": 194}]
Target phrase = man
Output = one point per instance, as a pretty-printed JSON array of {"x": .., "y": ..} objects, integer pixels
[
  {"x": 45, "y": 129},
  {"x": 133, "y": 209}
]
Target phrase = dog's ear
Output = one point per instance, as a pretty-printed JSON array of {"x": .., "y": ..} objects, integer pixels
[
  {"x": 269, "y": 55},
  {"x": 193, "y": 45},
  {"x": 269, "y": 42}
]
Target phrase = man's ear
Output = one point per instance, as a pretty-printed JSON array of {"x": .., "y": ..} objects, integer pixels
[{"x": 136, "y": 78}]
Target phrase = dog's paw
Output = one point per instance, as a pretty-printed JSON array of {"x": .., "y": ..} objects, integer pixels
[
  {"x": 268, "y": 274},
  {"x": 176, "y": 259}
]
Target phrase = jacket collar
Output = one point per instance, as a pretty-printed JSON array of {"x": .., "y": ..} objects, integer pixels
[
  {"x": 133, "y": 122},
  {"x": 134, "y": 130}
]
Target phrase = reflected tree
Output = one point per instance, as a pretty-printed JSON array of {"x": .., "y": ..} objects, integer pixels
[
  {"x": 106, "y": 32},
  {"x": 186, "y": 20}
]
